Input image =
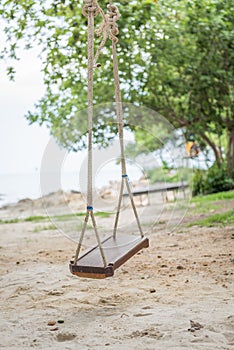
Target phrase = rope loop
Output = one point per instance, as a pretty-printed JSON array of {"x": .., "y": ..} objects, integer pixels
[{"x": 90, "y": 6}]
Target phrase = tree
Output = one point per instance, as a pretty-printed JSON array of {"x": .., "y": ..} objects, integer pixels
[
  {"x": 190, "y": 76},
  {"x": 175, "y": 57},
  {"x": 60, "y": 29}
]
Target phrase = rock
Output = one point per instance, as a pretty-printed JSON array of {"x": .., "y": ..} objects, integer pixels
[
  {"x": 25, "y": 201},
  {"x": 60, "y": 321},
  {"x": 195, "y": 326}
]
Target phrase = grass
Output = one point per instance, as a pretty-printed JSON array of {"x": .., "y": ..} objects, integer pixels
[
  {"x": 44, "y": 228},
  {"x": 213, "y": 197},
  {"x": 64, "y": 217},
  {"x": 28, "y": 219},
  {"x": 10, "y": 221},
  {"x": 205, "y": 207},
  {"x": 35, "y": 218},
  {"x": 210, "y": 202},
  {"x": 103, "y": 214},
  {"x": 221, "y": 219}
]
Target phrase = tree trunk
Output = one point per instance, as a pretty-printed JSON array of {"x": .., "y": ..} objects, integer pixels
[
  {"x": 230, "y": 153},
  {"x": 215, "y": 149}
]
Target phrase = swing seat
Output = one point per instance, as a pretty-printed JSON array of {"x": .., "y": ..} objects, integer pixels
[{"x": 117, "y": 251}]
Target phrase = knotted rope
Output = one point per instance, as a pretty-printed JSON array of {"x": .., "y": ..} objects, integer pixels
[
  {"x": 90, "y": 6},
  {"x": 108, "y": 28}
]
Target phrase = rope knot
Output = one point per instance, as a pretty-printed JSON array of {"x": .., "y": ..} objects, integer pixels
[
  {"x": 112, "y": 18},
  {"x": 90, "y": 6},
  {"x": 108, "y": 27}
]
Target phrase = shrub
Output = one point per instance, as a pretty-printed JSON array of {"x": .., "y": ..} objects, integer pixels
[
  {"x": 214, "y": 180},
  {"x": 199, "y": 181},
  {"x": 218, "y": 179}
]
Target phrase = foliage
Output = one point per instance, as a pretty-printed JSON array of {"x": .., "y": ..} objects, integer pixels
[
  {"x": 176, "y": 57},
  {"x": 213, "y": 180},
  {"x": 168, "y": 175},
  {"x": 198, "y": 182},
  {"x": 60, "y": 30},
  {"x": 218, "y": 180}
]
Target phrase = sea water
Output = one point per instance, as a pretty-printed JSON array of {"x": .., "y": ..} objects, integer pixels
[{"x": 14, "y": 187}]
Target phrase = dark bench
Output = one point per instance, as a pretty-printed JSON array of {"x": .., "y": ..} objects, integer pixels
[{"x": 174, "y": 187}]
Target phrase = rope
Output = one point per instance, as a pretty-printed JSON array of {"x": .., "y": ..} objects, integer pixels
[
  {"x": 107, "y": 28},
  {"x": 81, "y": 237},
  {"x": 113, "y": 16},
  {"x": 90, "y": 10}
]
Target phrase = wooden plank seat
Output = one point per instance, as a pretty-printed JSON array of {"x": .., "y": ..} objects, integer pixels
[{"x": 117, "y": 251}]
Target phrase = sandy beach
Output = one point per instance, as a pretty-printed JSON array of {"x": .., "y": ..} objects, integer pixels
[{"x": 177, "y": 294}]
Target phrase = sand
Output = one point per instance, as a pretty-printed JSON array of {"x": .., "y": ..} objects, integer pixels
[{"x": 177, "y": 294}]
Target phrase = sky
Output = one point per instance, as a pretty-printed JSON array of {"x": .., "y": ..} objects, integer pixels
[{"x": 22, "y": 145}]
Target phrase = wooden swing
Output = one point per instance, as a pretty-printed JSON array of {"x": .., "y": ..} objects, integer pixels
[{"x": 101, "y": 260}]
